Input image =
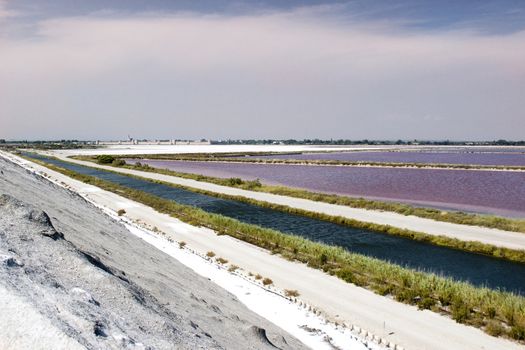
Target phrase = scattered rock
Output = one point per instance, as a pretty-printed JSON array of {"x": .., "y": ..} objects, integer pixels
[
  {"x": 11, "y": 261},
  {"x": 99, "y": 329},
  {"x": 84, "y": 296},
  {"x": 260, "y": 334}
]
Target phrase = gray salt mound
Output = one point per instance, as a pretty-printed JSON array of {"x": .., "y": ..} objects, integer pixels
[{"x": 104, "y": 288}]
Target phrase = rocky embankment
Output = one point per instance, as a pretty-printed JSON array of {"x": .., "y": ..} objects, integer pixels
[{"x": 71, "y": 277}]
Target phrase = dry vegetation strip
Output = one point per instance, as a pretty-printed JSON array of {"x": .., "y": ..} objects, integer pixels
[{"x": 497, "y": 313}]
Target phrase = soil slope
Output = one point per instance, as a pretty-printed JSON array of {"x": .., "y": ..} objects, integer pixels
[{"x": 71, "y": 277}]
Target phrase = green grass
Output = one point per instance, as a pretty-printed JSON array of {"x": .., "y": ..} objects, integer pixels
[
  {"x": 490, "y": 221},
  {"x": 480, "y": 307}
]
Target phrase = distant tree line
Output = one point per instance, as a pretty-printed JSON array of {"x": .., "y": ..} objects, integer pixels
[
  {"x": 368, "y": 142},
  {"x": 57, "y": 144}
]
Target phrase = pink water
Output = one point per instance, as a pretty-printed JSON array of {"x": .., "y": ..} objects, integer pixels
[
  {"x": 479, "y": 158},
  {"x": 492, "y": 192}
]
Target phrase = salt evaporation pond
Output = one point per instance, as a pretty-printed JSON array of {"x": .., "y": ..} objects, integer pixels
[
  {"x": 478, "y": 158},
  {"x": 489, "y": 192},
  {"x": 475, "y": 268}
]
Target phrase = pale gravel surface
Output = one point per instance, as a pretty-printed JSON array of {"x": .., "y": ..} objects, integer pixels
[
  {"x": 75, "y": 278},
  {"x": 32, "y": 331},
  {"x": 500, "y": 238},
  {"x": 344, "y": 302}
]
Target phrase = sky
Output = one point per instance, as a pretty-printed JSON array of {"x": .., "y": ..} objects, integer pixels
[{"x": 219, "y": 69}]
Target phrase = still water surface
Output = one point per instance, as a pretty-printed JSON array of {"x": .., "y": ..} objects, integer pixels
[
  {"x": 490, "y": 192},
  {"x": 479, "y": 158}
]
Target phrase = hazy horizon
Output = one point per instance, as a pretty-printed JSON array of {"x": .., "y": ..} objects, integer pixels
[
  {"x": 335, "y": 140},
  {"x": 275, "y": 69}
]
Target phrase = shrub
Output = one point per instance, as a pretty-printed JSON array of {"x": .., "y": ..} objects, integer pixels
[
  {"x": 494, "y": 328},
  {"x": 121, "y": 212},
  {"x": 233, "y": 268},
  {"x": 266, "y": 281},
  {"x": 291, "y": 293},
  {"x": 518, "y": 329},
  {"x": 222, "y": 261},
  {"x": 105, "y": 159},
  {"x": 118, "y": 162},
  {"x": 253, "y": 184},
  {"x": 258, "y": 277},
  {"x": 517, "y": 332},
  {"x": 235, "y": 181},
  {"x": 384, "y": 289},
  {"x": 210, "y": 254},
  {"x": 408, "y": 296},
  {"x": 426, "y": 303},
  {"x": 182, "y": 244},
  {"x": 346, "y": 275},
  {"x": 460, "y": 311}
]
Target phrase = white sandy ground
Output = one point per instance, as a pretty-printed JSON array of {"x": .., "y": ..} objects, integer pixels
[
  {"x": 278, "y": 310},
  {"x": 169, "y": 149},
  {"x": 33, "y": 331},
  {"x": 499, "y": 238},
  {"x": 339, "y": 301},
  {"x": 165, "y": 149}
]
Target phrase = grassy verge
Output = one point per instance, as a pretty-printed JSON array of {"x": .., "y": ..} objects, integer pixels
[
  {"x": 490, "y": 221},
  {"x": 497, "y": 313}
]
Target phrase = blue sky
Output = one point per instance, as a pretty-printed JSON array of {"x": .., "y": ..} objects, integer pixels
[
  {"x": 491, "y": 16},
  {"x": 262, "y": 69}
]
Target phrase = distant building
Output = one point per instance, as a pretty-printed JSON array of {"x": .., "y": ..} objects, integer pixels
[{"x": 131, "y": 141}]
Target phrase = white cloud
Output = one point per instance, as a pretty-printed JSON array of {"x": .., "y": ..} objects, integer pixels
[
  {"x": 305, "y": 74},
  {"x": 4, "y": 12}
]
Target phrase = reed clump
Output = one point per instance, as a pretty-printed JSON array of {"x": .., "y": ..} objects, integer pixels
[
  {"x": 233, "y": 268},
  {"x": 291, "y": 293},
  {"x": 222, "y": 261},
  {"x": 267, "y": 281}
]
